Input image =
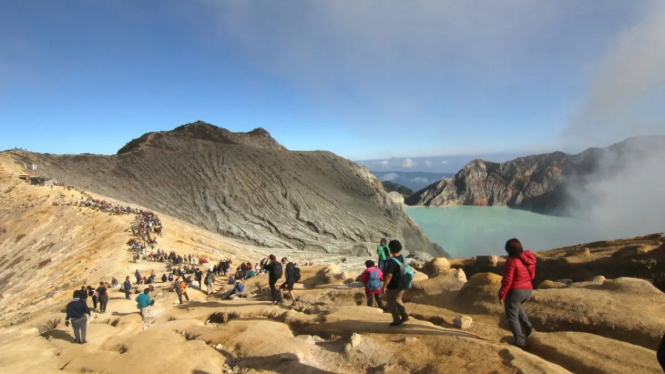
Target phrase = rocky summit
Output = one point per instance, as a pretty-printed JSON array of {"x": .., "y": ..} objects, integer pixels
[
  {"x": 539, "y": 183},
  {"x": 245, "y": 186}
]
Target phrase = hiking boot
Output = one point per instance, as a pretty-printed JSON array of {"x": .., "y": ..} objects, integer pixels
[
  {"x": 83, "y": 342},
  {"x": 521, "y": 346},
  {"x": 405, "y": 319},
  {"x": 528, "y": 331},
  {"x": 293, "y": 304},
  {"x": 396, "y": 323}
]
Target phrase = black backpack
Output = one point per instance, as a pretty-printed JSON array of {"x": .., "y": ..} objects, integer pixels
[
  {"x": 296, "y": 273},
  {"x": 386, "y": 251},
  {"x": 278, "y": 270}
]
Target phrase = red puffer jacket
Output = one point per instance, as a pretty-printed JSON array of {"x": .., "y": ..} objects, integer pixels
[{"x": 518, "y": 273}]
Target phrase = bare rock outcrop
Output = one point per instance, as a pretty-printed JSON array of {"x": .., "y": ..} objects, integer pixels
[
  {"x": 245, "y": 186},
  {"x": 537, "y": 182}
]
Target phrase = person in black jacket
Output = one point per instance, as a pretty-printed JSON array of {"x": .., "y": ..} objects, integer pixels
[
  {"x": 76, "y": 311},
  {"x": 274, "y": 270}
]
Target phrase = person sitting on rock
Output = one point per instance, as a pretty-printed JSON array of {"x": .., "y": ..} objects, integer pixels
[
  {"x": 237, "y": 290},
  {"x": 516, "y": 288},
  {"x": 372, "y": 278}
]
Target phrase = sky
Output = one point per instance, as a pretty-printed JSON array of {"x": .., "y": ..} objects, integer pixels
[{"x": 372, "y": 80}]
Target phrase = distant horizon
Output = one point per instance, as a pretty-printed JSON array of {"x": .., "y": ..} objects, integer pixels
[
  {"x": 443, "y": 163},
  {"x": 369, "y": 80}
]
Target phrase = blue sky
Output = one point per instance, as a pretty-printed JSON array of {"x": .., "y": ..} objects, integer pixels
[{"x": 366, "y": 80}]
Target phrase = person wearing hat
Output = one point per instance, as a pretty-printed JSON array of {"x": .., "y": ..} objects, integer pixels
[{"x": 384, "y": 254}]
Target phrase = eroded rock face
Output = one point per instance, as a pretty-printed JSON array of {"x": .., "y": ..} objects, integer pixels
[
  {"x": 245, "y": 186},
  {"x": 536, "y": 182}
]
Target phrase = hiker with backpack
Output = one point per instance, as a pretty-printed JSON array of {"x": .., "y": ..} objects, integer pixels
[
  {"x": 180, "y": 288},
  {"x": 274, "y": 270},
  {"x": 292, "y": 276},
  {"x": 210, "y": 283},
  {"x": 516, "y": 288},
  {"x": 384, "y": 254},
  {"x": 398, "y": 278},
  {"x": 371, "y": 278},
  {"x": 127, "y": 287}
]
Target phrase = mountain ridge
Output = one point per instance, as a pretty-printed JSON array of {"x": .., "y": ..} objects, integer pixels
[
  {"x": 538, "y": 182},
  {"x": 245, "y": 186}
]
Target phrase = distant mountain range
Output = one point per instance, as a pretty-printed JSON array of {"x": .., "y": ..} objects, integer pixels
[
  {"x": 414, "y": 180},
  {"x": 540, "y": 183}
]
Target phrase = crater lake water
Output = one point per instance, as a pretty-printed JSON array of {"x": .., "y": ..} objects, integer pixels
[{"x": 466, "y": 231}]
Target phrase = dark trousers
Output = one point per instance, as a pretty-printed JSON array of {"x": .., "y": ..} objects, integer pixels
[
  {"x": 180, "y": 295},
  {"x": 94, "y": 301},
  {"x": 515, "y": 313},
  {"x": 396, "y": 305},
  {"x": 274, "y": 291},
  {"x": 102, "y": 304},
  {"x": 382, "y": 265},
  {"x": 377, "y": 297},
  {"x": 78, "y": 325},
  {"x": 127, "y": 293}
]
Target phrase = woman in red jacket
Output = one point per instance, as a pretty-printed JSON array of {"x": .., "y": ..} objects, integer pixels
[{"x": 516, "y": 287}]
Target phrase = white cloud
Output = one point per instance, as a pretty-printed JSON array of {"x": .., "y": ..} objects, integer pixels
[
  {"x": 390, "y": 177},
  {"x": 383, "y": 163},
  {"x": 408, "y": 163},
  {"x": 428, "y": 163},
  {"x": 444, "y": 162}
]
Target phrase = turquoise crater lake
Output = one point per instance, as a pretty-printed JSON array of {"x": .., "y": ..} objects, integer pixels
[{"x": 466, "y": 231}]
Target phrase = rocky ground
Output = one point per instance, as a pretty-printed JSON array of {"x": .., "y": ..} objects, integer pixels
[{"x": 595, "y": 325}]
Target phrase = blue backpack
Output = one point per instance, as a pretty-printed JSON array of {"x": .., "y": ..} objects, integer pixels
[
  {"x": 374, "y": 281},
  {"x": 406, "y": 275}
]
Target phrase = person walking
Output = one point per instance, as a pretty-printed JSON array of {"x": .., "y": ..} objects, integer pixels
[
  {"x": 198, "y": 275},
  {"x": 274, "y": 270},
  {"x": 210, "y": 282},
  {"x": 127, "y": 287},
  {"x": 102, "y": 294},
  {"x": 93, "y": 296},
  {"x": 290, "y": 270},
  {"x": 516, "y": 288},
  {"x": 76, "y": 313},
  {"x": 181, "y": 289},
  {"x": 384, "y": 254},
  {"x": 372, "y": 278},
  {"x": 391, "y": 286},
  {"x": 143, "y": 300}
]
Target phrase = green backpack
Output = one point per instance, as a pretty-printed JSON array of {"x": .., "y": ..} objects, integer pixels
[{"x": 406, "y": 275}]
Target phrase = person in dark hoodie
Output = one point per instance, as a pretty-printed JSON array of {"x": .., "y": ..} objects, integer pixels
[
  {"x": 76, "y": 311},
  {"x": 516, "y": 287}
]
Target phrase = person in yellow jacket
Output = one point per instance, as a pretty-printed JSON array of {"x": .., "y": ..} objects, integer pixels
[{"x": 180, "y": 287}]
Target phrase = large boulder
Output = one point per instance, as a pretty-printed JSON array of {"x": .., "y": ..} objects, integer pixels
[{"x": 436, "y": 266}]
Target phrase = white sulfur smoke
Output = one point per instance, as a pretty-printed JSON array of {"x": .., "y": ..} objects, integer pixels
[{"x": 626, "y": 98}]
